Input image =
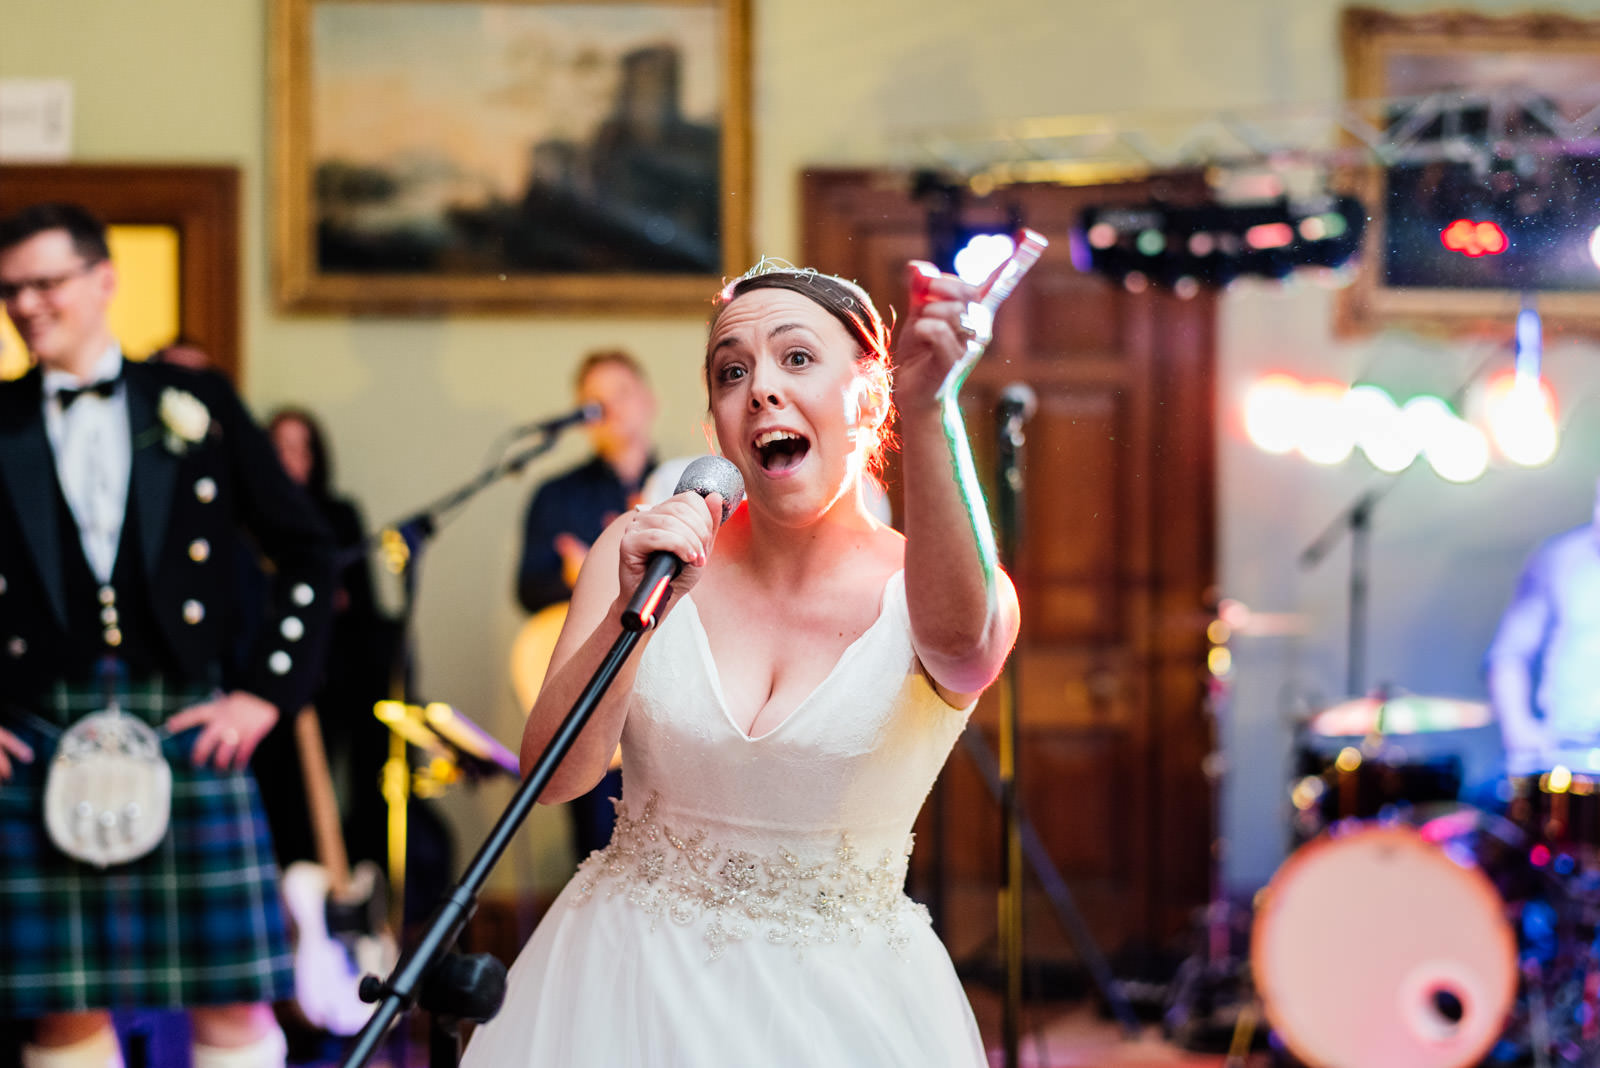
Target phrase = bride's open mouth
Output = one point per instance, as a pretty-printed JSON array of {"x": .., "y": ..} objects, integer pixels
[{"x": 780, "y": 450}]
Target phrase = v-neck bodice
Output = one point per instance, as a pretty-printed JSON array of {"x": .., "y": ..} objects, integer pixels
[
  {"x": 714, "y": 675},
  {"x": 857, "y": 755}
]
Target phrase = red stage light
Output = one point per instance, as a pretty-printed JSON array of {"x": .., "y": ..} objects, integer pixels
[
  {"x": 1269, "y": 235},
  {"x": 1474, "y": 238}
]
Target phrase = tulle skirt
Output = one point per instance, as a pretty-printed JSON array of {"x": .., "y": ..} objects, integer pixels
[{"x": 603, "y": 983}]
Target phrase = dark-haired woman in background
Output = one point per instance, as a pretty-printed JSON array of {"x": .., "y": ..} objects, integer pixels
[{"x": 355, "y": 677}]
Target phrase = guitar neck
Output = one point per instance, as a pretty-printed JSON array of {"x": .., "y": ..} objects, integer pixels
[{"x": 325, "y": 830}]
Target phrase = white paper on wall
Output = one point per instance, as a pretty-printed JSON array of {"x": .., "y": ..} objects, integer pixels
[{"x": 35, "y": 120}]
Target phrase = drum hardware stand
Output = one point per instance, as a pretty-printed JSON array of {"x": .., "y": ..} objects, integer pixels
[
  {"x": 452, "y": 987},
  {"x": 1538, "y": 1015},
  {"x": 1209, "y": 976},
  {"x": 1055, "y": 888}
]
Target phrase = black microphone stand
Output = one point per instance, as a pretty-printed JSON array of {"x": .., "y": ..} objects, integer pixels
[
  {"x": 451, "y": 986},
  {"x": 472, "y": 988},
  {"x": 1019, "y": 838},
  {"x": 1357, "y": 519},
  {"x": 1008, "y": 507},
  {"x": 402, "y": 543}
]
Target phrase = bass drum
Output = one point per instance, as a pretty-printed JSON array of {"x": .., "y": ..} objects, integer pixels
[{"x": 1386, "y": 946}]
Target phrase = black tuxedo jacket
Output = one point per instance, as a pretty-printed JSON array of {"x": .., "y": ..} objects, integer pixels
[{"x": 199, "y": 506}]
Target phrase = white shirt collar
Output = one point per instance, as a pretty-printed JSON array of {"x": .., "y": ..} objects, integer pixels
[{"x": 108, "y": 366}]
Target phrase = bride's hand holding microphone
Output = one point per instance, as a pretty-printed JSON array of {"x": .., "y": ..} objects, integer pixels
[{"x": 664, "y": 549}]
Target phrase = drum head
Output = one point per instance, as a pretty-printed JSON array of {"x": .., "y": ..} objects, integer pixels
[{"x": 1377, "y": 949}]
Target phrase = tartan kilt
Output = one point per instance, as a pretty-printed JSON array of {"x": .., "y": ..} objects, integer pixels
[{"x": 197, "y": 921}]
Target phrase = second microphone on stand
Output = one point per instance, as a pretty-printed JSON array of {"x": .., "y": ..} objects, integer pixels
[{"x": 589, "y": 413}]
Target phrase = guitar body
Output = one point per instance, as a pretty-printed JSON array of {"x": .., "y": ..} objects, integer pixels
[
  {"x": 331, "y": 954},
  {"x": 531, "y": 650},
  {"x": 338, "y": 914}
]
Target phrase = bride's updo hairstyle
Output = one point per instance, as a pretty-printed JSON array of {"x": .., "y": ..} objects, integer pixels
[{"x": 846, "y": 302}]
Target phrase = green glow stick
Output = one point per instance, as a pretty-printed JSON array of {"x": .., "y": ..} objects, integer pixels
[{"x": 979, "y": 318}]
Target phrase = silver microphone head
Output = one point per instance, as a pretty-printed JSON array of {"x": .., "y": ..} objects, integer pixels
[{"x": 714, "y": 474}]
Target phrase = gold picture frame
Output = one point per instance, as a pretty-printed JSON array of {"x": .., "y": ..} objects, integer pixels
[
  {"x": 1393, "y": 57},
  {"x": 508, "y": 155}
]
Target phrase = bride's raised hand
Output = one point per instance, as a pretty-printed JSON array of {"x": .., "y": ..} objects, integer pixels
[{"x": 933, "y": 338}]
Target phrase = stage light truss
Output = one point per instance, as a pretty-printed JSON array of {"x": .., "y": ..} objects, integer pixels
[{"x": 1479, "y": 127}]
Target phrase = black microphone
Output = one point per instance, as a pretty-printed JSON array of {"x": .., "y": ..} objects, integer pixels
[
  {"x": 707, "y": 475},
  {"x": 1018, "y": 401},
  {"x": 589, "y": 413}
]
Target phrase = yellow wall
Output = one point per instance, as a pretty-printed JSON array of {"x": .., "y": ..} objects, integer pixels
[{"x": 413, "y": 404}]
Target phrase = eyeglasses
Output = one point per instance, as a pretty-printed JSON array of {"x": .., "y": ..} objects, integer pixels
[{"x": 10, "y": 292}]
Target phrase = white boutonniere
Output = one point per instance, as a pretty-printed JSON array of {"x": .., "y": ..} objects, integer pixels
[{"x": 186, "y": 419}]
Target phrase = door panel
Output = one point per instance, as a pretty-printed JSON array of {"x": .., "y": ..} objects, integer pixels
[{"x": 1115, "y": 561}]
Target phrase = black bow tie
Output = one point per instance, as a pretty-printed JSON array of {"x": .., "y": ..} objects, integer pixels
[{"x": 105, "y": 388}]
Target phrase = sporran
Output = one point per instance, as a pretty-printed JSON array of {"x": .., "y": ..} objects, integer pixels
[{"x": 108, "y": 791}]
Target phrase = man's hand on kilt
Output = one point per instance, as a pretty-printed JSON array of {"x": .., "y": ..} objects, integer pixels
[
  {"x": 230, "y": 729},
  {"x": 12, "y": 746}
]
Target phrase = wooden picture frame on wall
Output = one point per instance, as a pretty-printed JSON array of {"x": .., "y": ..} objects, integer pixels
[
  {"x": 1467, "y": 75},
  {"x": 508, "y": 155},
  {"x": 200, "y": 204}
]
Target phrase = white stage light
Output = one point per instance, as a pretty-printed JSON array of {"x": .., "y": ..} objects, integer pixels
[
  {"x": 1522, "y": 420},
  {"x": 1326, "y": 435},
  {"x": 981, "y": 255},
  {"x": 1382, "y": 432},
  {"x": 1272, "y": 414},
  {"x": 1458, "y": 451}
]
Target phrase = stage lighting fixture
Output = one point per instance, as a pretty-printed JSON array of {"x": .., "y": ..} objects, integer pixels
[
  {"x": 1210, "y": 243},
  {"x": 1474, "y": 238},
  {"x": 961, "y": 247},
  {"x": 975, "y": 261}
]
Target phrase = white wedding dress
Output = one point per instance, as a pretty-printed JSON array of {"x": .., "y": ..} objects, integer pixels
[{"x": 750, "y": 909}]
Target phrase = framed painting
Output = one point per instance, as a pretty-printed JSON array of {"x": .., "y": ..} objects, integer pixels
[
  {"x": 434, "y": 156},
  {"x": 1487, "y": 133}
]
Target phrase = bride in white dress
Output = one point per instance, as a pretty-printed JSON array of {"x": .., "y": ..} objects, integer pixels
[{"x": 781, "y": 726}]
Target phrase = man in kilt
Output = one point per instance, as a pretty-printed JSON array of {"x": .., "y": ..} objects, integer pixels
[{"x": 127, "y": 493}]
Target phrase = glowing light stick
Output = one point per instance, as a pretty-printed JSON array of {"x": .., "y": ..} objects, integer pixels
[{"x": 979, "y": 318}]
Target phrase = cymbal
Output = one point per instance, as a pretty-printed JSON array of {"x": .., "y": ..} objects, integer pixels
[{"x": 1404, "y": 714}]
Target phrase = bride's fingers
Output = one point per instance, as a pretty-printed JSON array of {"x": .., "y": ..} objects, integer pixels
[{"x": 664, "y": 532}]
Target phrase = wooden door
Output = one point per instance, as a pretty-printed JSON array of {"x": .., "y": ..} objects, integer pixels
[
  {"x": 1115, "y": 564},
  {"x": 199, "y": 204}
]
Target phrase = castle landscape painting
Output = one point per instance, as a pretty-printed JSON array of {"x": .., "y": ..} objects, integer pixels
[{"x": 453, "y": 138}]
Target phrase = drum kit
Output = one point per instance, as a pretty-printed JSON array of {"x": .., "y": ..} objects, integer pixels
[{"x": 1409, "y": 929}]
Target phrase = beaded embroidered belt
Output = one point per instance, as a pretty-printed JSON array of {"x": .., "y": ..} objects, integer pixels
[{"x": 737, "y": 894}]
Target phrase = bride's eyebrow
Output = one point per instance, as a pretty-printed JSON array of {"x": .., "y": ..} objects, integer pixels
[
  {"x": 788, "y": 328},
  {"x": 733, "y": 341}
]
